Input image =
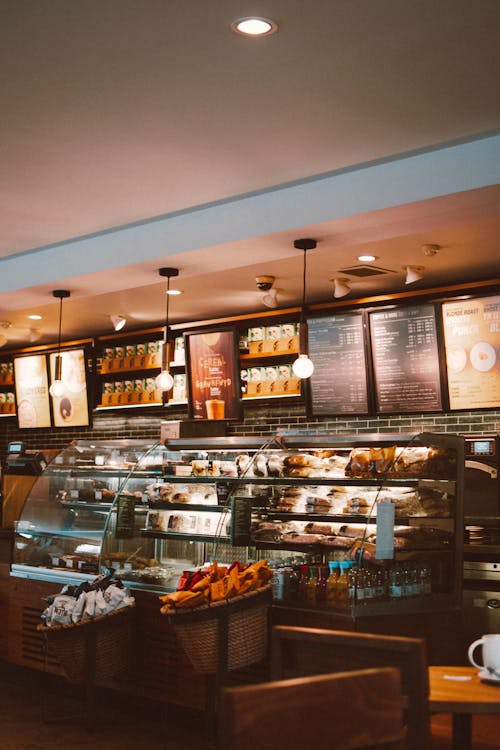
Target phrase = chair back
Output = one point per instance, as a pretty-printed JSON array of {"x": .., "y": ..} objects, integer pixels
[
  {"x": 359, "y": 709},
  {"x": 298, "y": 651}
]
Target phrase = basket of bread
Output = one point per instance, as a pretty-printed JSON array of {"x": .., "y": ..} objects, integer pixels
[
  {"x": 89, "y": 623},
  {"x": 222, "y": 609}
]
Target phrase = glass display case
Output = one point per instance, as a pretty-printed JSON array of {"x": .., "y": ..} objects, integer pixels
[{"x": 363, "y": 524}]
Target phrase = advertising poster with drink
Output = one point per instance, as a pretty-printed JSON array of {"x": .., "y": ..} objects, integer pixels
[
  {"x": 472, "y": 345},
  {"x": 32, "y": 391},
  {"x": 71, "y": 409},
  {"x": 213, "y": 375}
]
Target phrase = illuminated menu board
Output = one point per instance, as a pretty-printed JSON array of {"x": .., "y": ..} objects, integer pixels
[
  {"x": 336, "y": 346},
  {"x": 472, "y": 345},
  {"x": 32, "y": 391},
  {"x": 213, "y": 374},
  {"x": 406, "y": 360},
  {"x": 71, "y": 409}
]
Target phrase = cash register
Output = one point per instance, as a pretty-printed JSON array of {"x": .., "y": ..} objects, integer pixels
[{"x": 22, "y": 461}]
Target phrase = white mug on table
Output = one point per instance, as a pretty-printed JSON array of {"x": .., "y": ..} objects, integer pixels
[{"x": 491, "y": 652}]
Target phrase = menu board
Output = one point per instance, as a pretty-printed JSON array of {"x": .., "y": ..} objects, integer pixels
[
  {"x": 32, "y": 391},
  {"x": 338, "y": 384},
  {"x": 71, "y": 409},
  {"x": 213, "y": 375},
  {"x": 406, "y": 360},
  {"x": 472, "y": 346}
]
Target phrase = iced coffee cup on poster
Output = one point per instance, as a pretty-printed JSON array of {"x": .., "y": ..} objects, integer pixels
[{"x": 215, "y": 408}]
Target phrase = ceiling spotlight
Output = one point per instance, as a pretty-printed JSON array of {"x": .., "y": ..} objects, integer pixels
[
  {"x": 270, "y": 298},
  {"x": 254, "y": 26},
  {"x": 35, "y": 316},
  {"x": 430, "y": 250},
  {"x": 34, "y": 334},
  {"x": 367, "y": 258},
  {"x": 3, "y": 340},
  {"x": 341, "y": 287},
  {"x": 118, "y": 322},
  {"x": 413, "y": 273}
]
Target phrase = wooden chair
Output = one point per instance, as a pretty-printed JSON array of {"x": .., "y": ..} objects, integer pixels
[
  {"x": 342, "y": 711},
  {"x": 297, "y": 651}
]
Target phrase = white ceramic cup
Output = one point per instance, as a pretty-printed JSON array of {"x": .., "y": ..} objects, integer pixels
[{"x": 491, "y": 652}]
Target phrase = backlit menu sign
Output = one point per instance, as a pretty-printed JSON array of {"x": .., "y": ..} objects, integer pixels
[
  {"x": 339, "y": 383},
  {"x": 406, "y": 360},
  {"x": 472, "y": 345},
  {"x": 32, "y": 391},
  {"x": 213, "y": 375},
  {"x": 71, "y": 409}
]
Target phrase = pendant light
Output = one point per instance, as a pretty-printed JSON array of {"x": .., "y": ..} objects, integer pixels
[
  {"x": 303, "y": 367},
  {"x": 56, "y": 389},
  {"x": 164, "y": 381}
]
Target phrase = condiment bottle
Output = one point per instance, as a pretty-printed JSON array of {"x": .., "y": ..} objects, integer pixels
[{"x": 342, "y": 588}]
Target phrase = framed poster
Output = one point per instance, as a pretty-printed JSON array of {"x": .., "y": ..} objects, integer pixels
[
  {"x": 32, "y": 391},
  {"x": 213, "y": 374},
  {"x": 406, "y": 365},
  {"x": 338, "y": 384},
  {"x": 471, "y": 330},
  {"x": 72, "y": 408}
]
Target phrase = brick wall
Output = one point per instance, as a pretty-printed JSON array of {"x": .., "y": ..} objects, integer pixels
[{"x": 258, "y": 420}]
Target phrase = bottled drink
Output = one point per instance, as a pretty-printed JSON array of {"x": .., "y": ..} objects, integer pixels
[
  {"x": 361, "y": 586},
  {"x": 293, "y": 582},
  {"x": 424, "y": 574},
  {"x": 380, "y": 585},
  {"x": 331, "y": 584},
  {"x": 396, "y": 589},
  {"x": 311, "y": 585},
  {"x": 321, "y": 585},
  {"x": 352, "y": 574},
  {"x": 342, "y": 588},
  {"x": 303, "y": 582}
]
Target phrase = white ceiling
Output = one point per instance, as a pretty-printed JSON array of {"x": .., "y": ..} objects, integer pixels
[{"x": 136, "y": 135}]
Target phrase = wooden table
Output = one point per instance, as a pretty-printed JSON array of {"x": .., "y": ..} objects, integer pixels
[{"x": 459, "y": 691}]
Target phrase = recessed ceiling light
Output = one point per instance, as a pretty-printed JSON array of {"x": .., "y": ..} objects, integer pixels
[
  {"x": 35, "y": 317},
  {"x": 367, "y": 258},
  {"x": 254, "y": 26},
  {"x": 174, "y": 292}
]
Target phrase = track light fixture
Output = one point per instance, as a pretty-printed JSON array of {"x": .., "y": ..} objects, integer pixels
[
  {"x": 413, "y": 274},
  {"x": 341, "y": 287},
  {"x": 118, "y": 321},
  {"x": 56, "y": 389},
  {"x": 270, "y": 298},
  {"x": 303, "y": 366},
  {"x": 34, "y": 334},
  {"x": 164, "y": 381}
]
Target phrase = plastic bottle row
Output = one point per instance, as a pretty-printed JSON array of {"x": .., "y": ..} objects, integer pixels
[{"x": 341, "y": 584}]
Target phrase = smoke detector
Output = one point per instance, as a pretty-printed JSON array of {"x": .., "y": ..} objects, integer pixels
[{"x": 430, "y": 250}]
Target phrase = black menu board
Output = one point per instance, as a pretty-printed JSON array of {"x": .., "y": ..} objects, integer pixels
[
  {"x": 406, "y": 360},
  {"x": 472, "y": 341},
  {"x": 336, "y": 346}
]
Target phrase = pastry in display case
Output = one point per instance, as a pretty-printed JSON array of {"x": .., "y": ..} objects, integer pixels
[{"x": 371, "y": 519}]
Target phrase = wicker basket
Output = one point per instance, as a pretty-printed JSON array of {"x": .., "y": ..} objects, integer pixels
[
  {"x": 108, "y": 635},
  {"x": 200, "y": 634}
]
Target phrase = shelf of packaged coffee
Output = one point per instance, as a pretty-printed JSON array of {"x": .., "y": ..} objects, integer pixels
[
  {"x": 247, "y": 397},
  {"x": 187, "y": 537},
  {"x": 9, "y": 413},
  {"x": 6, "y": 379},
  {"x": 279, "y": 355},
  {"x": 154, "y": 404},
  {"x": 129, "y": 364}
]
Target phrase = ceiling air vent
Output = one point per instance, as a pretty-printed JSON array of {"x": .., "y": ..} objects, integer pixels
[{"x": 364, "y": 271}]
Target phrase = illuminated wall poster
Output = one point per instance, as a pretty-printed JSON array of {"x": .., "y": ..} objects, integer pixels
[
  {"x": 71, "y": 409},
  {"x": 32, "y": 391}
]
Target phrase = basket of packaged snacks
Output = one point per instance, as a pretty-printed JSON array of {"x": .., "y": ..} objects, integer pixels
[
  {"x": 89, "y": 629},
  {"x": 220, "y": 616}
]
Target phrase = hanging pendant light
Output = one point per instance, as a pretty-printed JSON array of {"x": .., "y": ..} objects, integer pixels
[
  {"x": 56, "y": 389},
  {"x": 164, "y": 381},
  {"x": 303, "y": 366}
]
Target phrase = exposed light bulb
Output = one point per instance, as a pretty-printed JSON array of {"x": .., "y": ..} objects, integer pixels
[
  {"x": 164, "y": 381},
  {"x": 56, "y": 389},
  {"x": 303, "y": 366}
]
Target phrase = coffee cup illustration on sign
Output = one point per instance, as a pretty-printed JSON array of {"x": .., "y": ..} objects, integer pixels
[{"x": 215, "y": 408}]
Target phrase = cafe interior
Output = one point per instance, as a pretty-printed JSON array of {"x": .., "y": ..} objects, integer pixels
[{"x": 337, "y": 162}]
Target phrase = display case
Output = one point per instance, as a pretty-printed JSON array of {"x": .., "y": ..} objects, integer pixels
[{"x": 385, "y": 510}]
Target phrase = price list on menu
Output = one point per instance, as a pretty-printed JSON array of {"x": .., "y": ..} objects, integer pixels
[
  {"x": 339, "y": 382},
  {"x": 406, "y": 360}
]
